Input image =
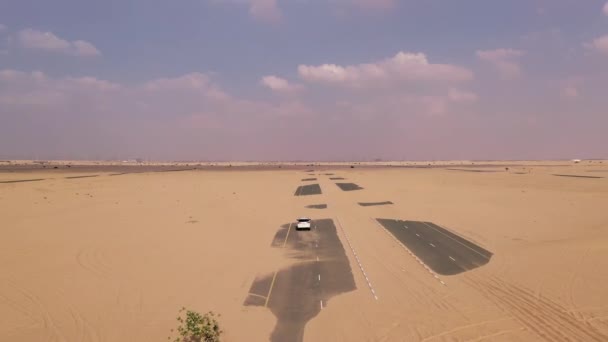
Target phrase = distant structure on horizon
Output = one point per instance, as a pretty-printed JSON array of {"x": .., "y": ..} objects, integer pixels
[{"x": 135, "y": 160}]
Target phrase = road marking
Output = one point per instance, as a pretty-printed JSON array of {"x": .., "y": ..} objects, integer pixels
[
  {"x": 317, "y": 258},
  {"x": 369, "y": 284},
  {"x": 410, "y": 252},
  {"x": 257, "y": 295},
  {"x": 321, "y": 303},
  {"x": 319, "y": 277},
  {"x": 451, "y": 238},
  {"x": 431, "y": 245},
  {"x": 418, "y": 235},
  {"x": 286, "y": 236},
  {"x": 274, "y": 277},
  {"x": 406, "y": 227},
  {"x": 452, "y": 259}
]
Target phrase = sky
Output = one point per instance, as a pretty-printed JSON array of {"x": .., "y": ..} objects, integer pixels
[{"x": 220, "y": 80}]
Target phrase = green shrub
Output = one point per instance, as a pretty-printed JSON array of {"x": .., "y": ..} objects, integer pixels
[{"x": 194, "y": 327}]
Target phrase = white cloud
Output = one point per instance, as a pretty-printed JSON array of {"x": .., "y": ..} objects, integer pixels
[
  {"x": 403, "y": 67},
  {"x": 188, "y": 117},
  {"x": 35, "y": 90},
  {"x": 278, "y": 84},
  {"x": 606, "y": 9},
  {"x": 196, "y": 83},
  {"x": 47, "y": 41},
  {"x": 173, "y": 98},
  {"x": 599, "y": 44},
  {"x": 461, "y": 96},
  {"x": 506, "y": 61},
  {"x": 84, "y": 48}
]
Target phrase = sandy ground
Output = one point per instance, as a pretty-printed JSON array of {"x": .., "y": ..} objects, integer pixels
[{"x": 113, "y": 258}]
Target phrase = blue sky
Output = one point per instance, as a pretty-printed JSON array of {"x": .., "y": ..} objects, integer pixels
[{"x": 233, "y": 79}]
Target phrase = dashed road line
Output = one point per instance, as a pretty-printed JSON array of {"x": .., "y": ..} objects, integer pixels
[
  {"x": 411, "y": 254},
  {"x": 431, "y": 244},
  {"x": 319, "y": 277},
  {"x": 321, "y": 301},
  {"x": 418, "y": 235},
  {"x": 451, "y": 238},
  {"x": 452, "y": 259},
  {"x": 369, "y": 284}
]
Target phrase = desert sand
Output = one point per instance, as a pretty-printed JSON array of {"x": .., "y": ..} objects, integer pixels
[{"x": 114, "y": 257}]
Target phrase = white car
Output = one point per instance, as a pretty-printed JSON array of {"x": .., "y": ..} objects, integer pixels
[{"x": 303, "y": 223}]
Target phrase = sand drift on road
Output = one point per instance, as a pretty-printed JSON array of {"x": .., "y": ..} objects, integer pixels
[{"x": 298, "y": 293}]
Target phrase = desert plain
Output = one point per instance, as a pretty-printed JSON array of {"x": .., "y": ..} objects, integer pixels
[{"x": 452, "y": 251}]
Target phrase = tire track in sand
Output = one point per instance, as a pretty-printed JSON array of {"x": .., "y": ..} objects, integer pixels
[
  {"x": 41, "y": 314},
  {"x": 545, "y": 318},
  {"x": 574, "y": 276},
  {"x": 94, "y": 261}
]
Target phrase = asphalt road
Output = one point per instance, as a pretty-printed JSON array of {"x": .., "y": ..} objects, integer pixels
[
  {"x": 578, "y": 176},
  {"x": 76, "y": 177},
  {"x": 298, "y": 293},
  {"x": 442, "y": 250},
  {"x": 348, "y": 186},
  {"x": 370, "y": 204},
  {"x": 310, "y": 189},
  {"x": 21, "y": 181},
  {"x": 469, "y": 170}
]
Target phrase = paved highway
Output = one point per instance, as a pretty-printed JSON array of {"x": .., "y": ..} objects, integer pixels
[
  {"x": 310, "y": 189},
  {"x": 298, "y": 293},
  {"x": 443, "y": 251}
]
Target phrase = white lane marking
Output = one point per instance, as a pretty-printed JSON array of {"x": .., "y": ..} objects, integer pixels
[
  {"x": 287, "y": 236},
  {"x": 256, "y": 295},
  {"x": 431, "y": 245},
  {"x": 406, "y": 227},
  {"x": 451, "y": 238},
  {"x": 369, "y": 284},
  {"x": 418, "y": 235},
  {"x": 410, "y": 252},
  {"x": 321, "y": 303},
  {"x": 452, "y": 259},
  {"x": 319, "y": 277}
]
